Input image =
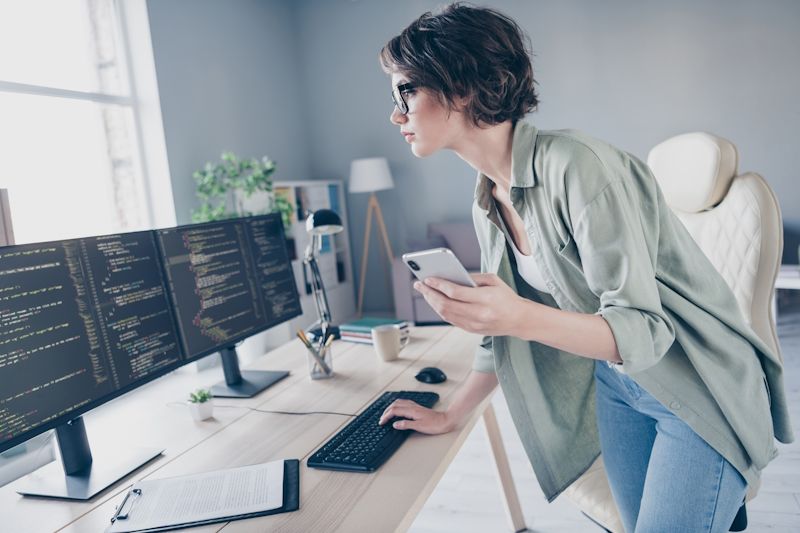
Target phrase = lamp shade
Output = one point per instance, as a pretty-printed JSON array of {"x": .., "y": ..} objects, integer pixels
[
  {"x": 369, "y": 175},
  {"x": 323, "y": 222}
]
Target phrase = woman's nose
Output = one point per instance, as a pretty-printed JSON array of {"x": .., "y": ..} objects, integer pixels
[{"x": 397, "y": 117}]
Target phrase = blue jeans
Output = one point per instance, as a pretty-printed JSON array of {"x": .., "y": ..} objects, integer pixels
[{"x": 663, "y": 476}]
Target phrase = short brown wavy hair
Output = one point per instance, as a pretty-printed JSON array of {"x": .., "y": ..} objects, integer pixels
[{"x": 469, "y": 52}]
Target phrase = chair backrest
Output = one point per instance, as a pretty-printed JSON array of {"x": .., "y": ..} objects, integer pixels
[{"x": 735, "y": 219}]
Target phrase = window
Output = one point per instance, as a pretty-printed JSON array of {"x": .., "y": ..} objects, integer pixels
[{"x": 72, "y": 150}]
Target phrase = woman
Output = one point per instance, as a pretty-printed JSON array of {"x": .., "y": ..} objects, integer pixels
[{"x": 604, "y": 323}]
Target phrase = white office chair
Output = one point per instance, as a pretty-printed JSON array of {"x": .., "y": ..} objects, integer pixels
[{"x": 736, "y": 221}]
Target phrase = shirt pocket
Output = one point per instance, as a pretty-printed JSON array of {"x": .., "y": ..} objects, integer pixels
[{"x": 569, "y": 252}]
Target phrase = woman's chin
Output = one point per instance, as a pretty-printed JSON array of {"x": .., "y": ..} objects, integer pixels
[{"x": 419, "y": 150}]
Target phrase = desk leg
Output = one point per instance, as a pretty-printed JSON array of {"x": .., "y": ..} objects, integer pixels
[{"x": 510, "y": 498}]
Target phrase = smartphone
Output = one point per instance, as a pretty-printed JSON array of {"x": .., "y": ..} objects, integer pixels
[{"x": 438, "y": 263}]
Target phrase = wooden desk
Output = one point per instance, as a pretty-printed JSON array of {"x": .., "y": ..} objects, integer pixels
[{"x": 387, "y": 500}]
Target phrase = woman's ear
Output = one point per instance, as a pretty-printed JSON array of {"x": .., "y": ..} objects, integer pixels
[{"x": 460, "y": 103}]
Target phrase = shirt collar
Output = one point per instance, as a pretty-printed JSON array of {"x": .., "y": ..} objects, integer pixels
[{"x": 523, "y": 145}]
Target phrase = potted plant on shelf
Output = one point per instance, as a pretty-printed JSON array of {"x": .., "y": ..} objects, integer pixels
[
  {"x": 201, "y": 404},
  {"x": 236, "y": 187}
]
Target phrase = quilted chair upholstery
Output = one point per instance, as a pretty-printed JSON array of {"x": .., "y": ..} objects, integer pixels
[{"x": 736, "y": 221}]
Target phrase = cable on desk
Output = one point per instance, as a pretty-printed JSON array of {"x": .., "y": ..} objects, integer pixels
[
  {"x": 274, "y": 412},
  {"x": 287, "y": 412}
]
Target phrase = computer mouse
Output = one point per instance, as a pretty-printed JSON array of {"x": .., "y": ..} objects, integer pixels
[{"x": 431, "y": 374}]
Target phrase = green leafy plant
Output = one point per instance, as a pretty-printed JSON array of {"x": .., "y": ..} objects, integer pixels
[
  {"x": 286, "y": 209},
  {"x": 228, "y": 182},
  {"x": 200, "y": 396}
]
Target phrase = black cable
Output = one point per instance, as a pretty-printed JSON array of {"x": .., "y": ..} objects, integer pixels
[
  {"x": 287, "y": 412},
  {"x": 274, "y": 412}
]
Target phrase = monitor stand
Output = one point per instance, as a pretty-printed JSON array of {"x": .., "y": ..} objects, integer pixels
[
  {"x": 82, "y": 477},
  {"x": 243, "y": 384}
]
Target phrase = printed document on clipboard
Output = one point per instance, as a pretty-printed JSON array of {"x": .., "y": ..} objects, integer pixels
[{"x": 170, "y": 503}]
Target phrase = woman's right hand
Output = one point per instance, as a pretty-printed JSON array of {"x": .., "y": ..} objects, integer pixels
[{"x": 420, "y": 418}]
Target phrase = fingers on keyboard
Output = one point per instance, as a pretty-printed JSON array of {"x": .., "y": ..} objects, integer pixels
[
  {"x": 399, "y": 411},
  {"x": 389, "y": 411}
]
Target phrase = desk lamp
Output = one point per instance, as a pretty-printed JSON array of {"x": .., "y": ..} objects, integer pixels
[
  {"x": 371, "y": 175},
  {"x": 319, "y": 223}
]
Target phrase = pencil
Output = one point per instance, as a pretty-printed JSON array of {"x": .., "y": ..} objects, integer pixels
[{"x": 302, "y": 336}]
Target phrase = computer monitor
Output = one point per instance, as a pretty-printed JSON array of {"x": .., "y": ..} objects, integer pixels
[
  {"x": 85, "y": 320},
  {"x": 81, "y": 322},
  {"x": 229, "y": 280}
]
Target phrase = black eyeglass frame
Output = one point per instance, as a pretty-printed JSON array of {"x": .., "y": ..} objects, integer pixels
[{"x": 398, "y": 99}]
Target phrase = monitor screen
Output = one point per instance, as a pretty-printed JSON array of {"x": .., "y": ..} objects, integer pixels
[
  {"x": 80, "y": 321},
  {"x": 273, "y": 268},
  {"x": 228, "y": 280}
]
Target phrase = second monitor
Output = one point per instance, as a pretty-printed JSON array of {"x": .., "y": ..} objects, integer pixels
[{"x": 229, "y": 280}]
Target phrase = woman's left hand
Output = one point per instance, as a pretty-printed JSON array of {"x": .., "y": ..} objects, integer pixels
[{"x": 491, "y": 308}]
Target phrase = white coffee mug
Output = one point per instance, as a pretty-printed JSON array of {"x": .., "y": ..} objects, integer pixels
[{"x": 388, "y": 340}]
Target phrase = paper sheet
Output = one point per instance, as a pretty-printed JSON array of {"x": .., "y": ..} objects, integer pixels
[{"x": 189, "y": 499}]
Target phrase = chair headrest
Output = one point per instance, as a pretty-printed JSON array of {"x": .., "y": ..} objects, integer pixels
[{"x": 694, "y": 170}]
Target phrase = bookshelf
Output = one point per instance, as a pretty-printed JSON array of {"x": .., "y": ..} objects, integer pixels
[{"x": 335, "y": 261}]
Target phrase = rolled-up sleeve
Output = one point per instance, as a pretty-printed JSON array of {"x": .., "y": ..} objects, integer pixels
[
  {"x": 618, "y": 260},
  {"x": 484, "y": 357}
]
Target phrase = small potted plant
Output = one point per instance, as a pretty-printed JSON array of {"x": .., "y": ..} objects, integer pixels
[{"x": 201, "y": 404}]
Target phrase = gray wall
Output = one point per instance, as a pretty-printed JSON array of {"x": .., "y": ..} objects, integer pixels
[
  {"x": 630, "y": 72},
  {"x": 228, "y": 80}
]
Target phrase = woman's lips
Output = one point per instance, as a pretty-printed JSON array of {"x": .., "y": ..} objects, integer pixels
[{"x": 408, "y": 136}]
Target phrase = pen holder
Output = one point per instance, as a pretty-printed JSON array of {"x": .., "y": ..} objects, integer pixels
[{"x": 320, "y": 362}]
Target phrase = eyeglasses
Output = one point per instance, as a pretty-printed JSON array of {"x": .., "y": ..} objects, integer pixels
[{"x": 398, "y": 96}]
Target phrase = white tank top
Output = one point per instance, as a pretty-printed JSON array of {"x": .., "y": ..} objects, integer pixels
[{"x": 526, "y": 265}]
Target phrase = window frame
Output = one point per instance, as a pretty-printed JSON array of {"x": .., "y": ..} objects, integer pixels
[{"x": 137, "y": 64}]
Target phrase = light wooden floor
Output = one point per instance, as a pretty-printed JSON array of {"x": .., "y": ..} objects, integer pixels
[{"x": 467, "y": 498}]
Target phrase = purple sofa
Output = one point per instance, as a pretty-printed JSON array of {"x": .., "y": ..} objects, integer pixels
[{"x": 460, "y": 238}]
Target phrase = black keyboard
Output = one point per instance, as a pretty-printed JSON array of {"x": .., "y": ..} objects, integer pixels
[{"x": 363, "y": 445}]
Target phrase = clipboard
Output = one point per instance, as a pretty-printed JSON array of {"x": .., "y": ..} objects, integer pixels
[{"x": 291, "y": 502}]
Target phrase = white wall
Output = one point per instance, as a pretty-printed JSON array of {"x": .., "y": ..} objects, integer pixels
[{"x": 228, "y": 80}]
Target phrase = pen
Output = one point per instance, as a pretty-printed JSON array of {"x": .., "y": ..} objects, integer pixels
[
  {"x": 320, "y": 361},
  {"x": 324, "y": 337}
]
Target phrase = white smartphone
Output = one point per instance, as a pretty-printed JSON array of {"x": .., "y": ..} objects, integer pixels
[{"x": 438, "y": 263}]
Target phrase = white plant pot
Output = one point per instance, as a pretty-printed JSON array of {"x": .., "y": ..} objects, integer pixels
[{"x": 202, "y": 411}]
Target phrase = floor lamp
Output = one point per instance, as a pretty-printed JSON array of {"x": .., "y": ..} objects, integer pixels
[{"x": 371, "y": 175}]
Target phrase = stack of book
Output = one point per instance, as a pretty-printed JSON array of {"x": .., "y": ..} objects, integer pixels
[{"x": 361, "y": 330}]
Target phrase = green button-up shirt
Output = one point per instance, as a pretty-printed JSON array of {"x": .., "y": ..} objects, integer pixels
[{"x": 606, "y": 243}]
